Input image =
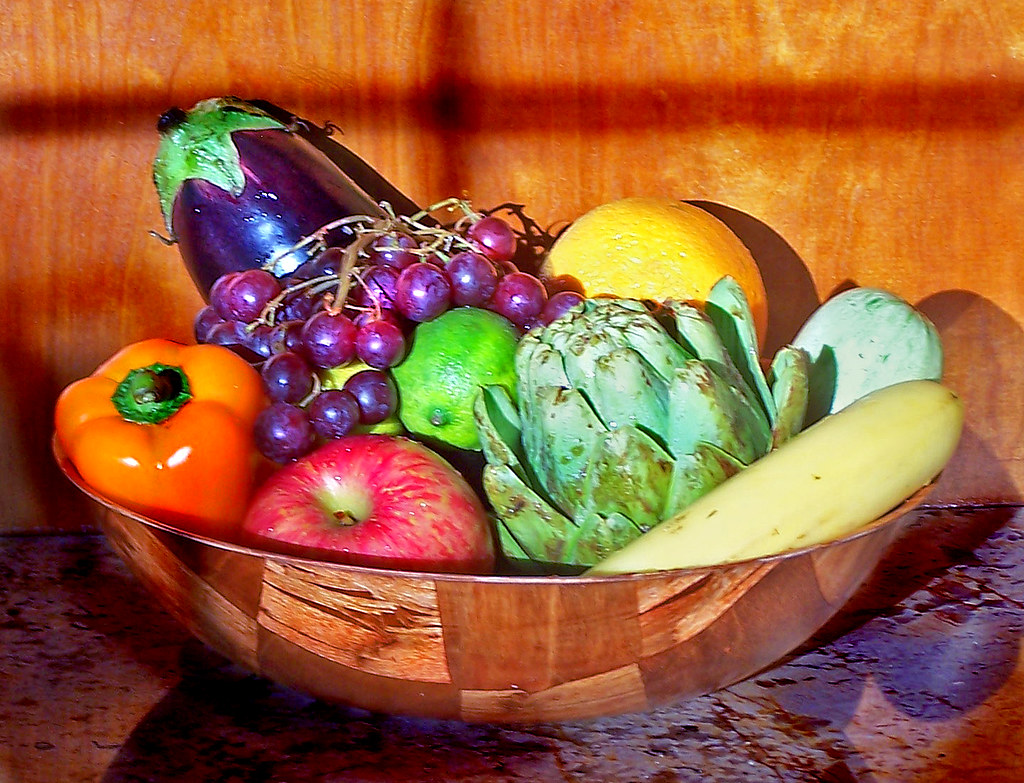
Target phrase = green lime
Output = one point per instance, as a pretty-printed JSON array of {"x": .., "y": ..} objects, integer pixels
[{"x": 449, "y": 360}]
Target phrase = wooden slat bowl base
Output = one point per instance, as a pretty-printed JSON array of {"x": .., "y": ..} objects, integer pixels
[{"x": 497, "y": 648}]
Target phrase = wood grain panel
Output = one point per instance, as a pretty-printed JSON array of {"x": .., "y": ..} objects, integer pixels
[
  {"x": 555, "y": 633},
  {"x": 688, "y": 614},
  {"x": 198, "y": 605},
  {"x": 619, "y": 690},
  {"x": 296, "y": 666},
  {"x": 854, "y": 143},
  {"x": 380, "y": 626}
]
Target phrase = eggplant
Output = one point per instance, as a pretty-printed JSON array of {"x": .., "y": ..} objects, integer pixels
[{"x": 241, "y": 182}]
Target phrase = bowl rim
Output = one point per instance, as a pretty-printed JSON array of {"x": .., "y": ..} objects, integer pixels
[{"x": 888, "y": 519}]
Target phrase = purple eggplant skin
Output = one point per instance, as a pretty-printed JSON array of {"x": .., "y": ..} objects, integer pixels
[
  {"x": 362, "y": 174},
  {"x": 239, "y": 187}
]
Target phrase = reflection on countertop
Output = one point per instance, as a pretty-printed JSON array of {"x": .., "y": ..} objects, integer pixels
[{"x": 920, "y": 678}]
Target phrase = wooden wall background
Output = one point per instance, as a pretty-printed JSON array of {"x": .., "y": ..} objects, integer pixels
[{"x": 875, "y": 142}]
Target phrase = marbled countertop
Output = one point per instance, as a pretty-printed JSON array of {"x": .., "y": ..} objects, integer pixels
[{"x": 919, "y": 679}]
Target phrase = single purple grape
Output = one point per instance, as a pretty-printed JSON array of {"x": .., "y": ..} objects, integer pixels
[
  {"x": 494, "y": 237},
  {"x": 423, "y": 292},
  {"x": 376, "y": 394},
  {"x": 329, "y": 262},
  {"x": 283, "y": 432},
  {"x": 286, "y": 336},
  {"x": 258, "y": 339},
  {"x": 377, "y": 289},
  {"x": 219, "y": 291},
  {"x": 329, "y": 339},
  {"x": 520, "y": 297},
  {"x": 233, "y": 335},
  {"x": 226, "y": 333},
  {"x": 505, "y": 267},
  {"x": 380, "y": 344},
  {"x": 205, "y": 320},
  {"x": 394, "y": 250},
  {"x": 473, "y": 278},
  {"x": 334, "y": 413},
  {"x": 558, "y": 305},
  {"x": 242, "y": 296},
  {"x": 363, "y": 317},
  {"x": 287, "y": 377},
  {"x": 300, "y": 305}
]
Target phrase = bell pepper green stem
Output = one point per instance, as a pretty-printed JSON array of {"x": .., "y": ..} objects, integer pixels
[{"x": 151, "y": 395}]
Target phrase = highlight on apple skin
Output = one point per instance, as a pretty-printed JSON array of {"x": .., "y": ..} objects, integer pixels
[{"x": 374, "y": 500}]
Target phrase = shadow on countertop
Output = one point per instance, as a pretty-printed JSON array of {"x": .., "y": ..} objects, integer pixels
[{"x": 222, "y": 724}]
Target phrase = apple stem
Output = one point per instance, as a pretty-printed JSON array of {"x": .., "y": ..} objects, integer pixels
[{"x": 345, "y": 517}]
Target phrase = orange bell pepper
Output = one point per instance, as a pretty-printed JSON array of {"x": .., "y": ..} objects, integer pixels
[{"x": 166, "y": 430}]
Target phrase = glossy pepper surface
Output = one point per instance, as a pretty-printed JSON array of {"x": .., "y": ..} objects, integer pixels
[{"x": 165, "y": 429}]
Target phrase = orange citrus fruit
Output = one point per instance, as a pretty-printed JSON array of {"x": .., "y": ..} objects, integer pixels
[{"x": 655, "y": 248}]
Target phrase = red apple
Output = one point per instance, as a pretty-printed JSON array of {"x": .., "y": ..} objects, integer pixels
[{"x": 378, "y": 500}]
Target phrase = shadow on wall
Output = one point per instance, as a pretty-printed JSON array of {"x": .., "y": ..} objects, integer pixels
[
  {"x": 41, "y": 498},
  {"x": 970, "y": 325},
  {"x": 991, "y": 385},
  {"x": 786, "y": 277}
]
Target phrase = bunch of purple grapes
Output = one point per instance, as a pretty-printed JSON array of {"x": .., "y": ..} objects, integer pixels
[{"x": 362, "y": 301}]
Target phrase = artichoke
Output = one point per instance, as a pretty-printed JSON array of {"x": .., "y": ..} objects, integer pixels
[{"x": 626, "y": 414}]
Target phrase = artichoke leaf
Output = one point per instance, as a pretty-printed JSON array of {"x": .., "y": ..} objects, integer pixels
[
  {"x": 634, "y": 305},
  {"x": 696, "y": 473},
  {"x": 499, "y": 428},
  {"x": 705, "y": 408},
  {"x": 628, "y": 391},
  {"x": 555, "y": 334},
  {"x": 628, "y": 323},
  {"x": 582, "y": 352},
  {"x": 630, "y": 474},
  {"x": 698, "y": 335},
  {"x": 539, "y": 530},
  {"x": 558, "y": 437},
  {"x": 729, "y": 311},
  {"x": 511, "y": 548},
  {"x": 558, "y": 334},
  {"x": 597, "y": 537},
  {"x": 536, "y": 364},
  {"x": 789, "y": 378},
  {"x": 822, "y": 383},
  {"x": 650, "y": 339},
  {"x": 521, "y": 562},
  {"x": 528, "y": 343}
]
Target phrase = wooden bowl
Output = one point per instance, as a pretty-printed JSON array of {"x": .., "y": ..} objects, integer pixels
[{"x": 492, "y": 648}]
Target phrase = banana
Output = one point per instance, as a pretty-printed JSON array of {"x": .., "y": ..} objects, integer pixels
[{"x": 822, "y": 484}]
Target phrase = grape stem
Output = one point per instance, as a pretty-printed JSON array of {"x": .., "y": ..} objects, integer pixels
[
  {"x": 347, "y": 270},
  {"x": 432, "y": 241},
  {"x": 317, "y": 388}
]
